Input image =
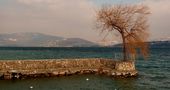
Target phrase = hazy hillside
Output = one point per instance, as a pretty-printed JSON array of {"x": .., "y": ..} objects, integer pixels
[
  {"x": 41, "y": 40},
  {"x": 160, "y": 44},
  {"x": 153, "y": 44}
]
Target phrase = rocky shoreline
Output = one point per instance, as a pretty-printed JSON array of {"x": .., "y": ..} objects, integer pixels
[{"x": 18, "y": 69}]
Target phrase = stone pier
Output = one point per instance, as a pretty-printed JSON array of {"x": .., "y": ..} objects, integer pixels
[{"x": 12, "y": 69}]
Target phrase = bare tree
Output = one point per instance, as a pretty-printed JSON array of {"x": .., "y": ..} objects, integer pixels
[{"x": 131, "y": 22}]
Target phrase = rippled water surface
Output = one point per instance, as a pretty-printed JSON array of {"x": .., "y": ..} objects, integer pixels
[{"x": 154, "y": 73}]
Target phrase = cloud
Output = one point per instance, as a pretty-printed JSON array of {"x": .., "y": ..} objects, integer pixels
[
  {"x": 160, "y": 18},
  {"x": 71, "y": 18},
  {"x": 68, "y": 18}
]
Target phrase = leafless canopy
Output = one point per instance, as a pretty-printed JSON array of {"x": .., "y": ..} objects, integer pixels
[{"x": 131, "y": 22}]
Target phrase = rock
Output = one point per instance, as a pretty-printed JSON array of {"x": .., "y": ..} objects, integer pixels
[
  {"x": 68, "y": 72},
  {"x": 7, "y": 76},
  {"x": 133, "y": 73},
  {"x": 113, "y": 74},
  {"x": 123, "y": 73},
  {"x": 106, "y": 71},
  {"x": 94, "y": 70},
  {"x": 62, "y": 73},
  {"x": 118, "y": 73},
  {"x": 100, "y": 71},
  {"x": 55, "y": 73},
  {"x": 13, "y": 71},
  {"x": 78, "y": 72},
  {"x": 86, "y": 71},
  {"x": 1, "y": 75},
  {"x": 125, "y": 66}
]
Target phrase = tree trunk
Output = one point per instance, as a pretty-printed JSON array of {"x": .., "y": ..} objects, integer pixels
[{"x": 124, "y": 47}]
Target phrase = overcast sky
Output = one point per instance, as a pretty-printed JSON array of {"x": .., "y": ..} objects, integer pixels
[{"x": 73, "y": 18}]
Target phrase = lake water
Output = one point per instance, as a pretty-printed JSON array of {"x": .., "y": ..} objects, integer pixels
[{"x": 154, "y": 73}]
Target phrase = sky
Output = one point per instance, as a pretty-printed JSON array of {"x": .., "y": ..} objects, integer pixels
[{"x": 73, "y": 18}]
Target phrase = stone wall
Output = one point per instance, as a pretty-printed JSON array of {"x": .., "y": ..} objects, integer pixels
[
  {"x": 18, "y": 68},
  {"x": 125, "y": 66}
]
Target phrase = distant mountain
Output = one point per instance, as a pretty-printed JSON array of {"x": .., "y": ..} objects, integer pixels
[
  {"x": 41, "y": 40},
  {"x": 154, "y": 44},
  {"x": 160, "y": 44}
]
